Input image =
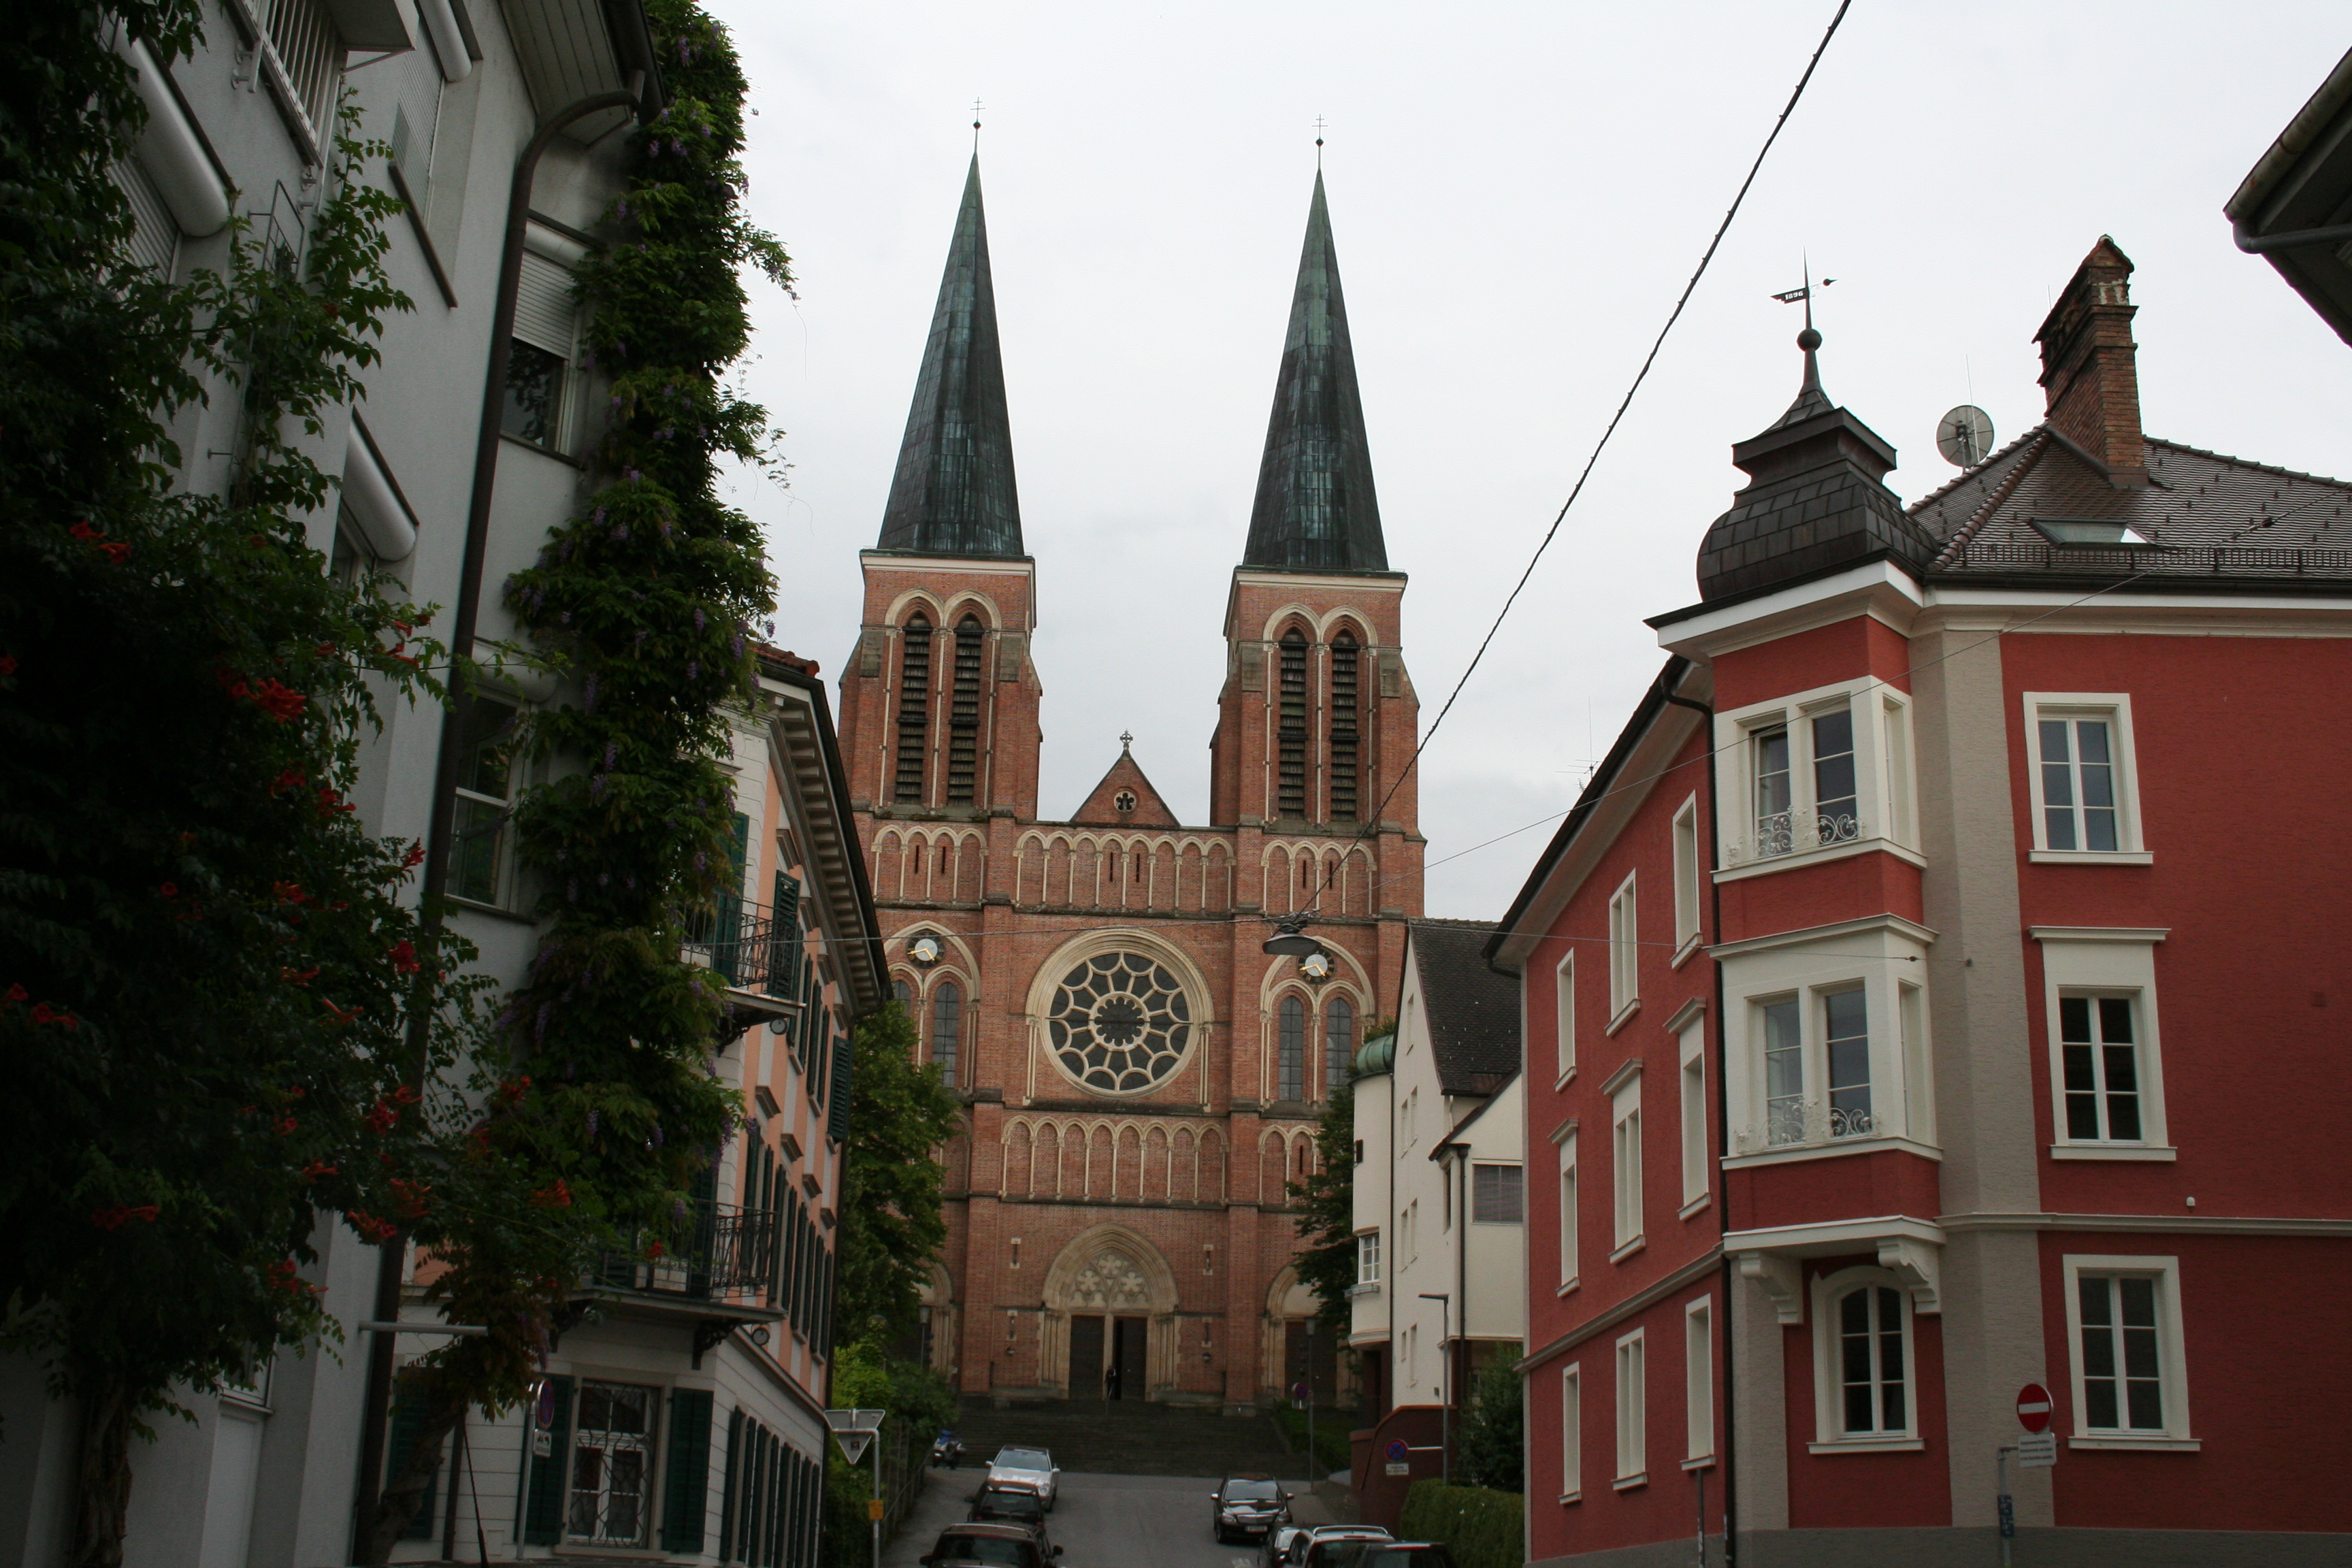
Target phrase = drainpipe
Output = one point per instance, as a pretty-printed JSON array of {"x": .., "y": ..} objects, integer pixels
[
  {"x": 1722, "y": 1109},
  {"x": 393, "y": 1260}
]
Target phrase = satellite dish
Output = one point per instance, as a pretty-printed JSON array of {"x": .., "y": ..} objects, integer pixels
[{"x": 1965, "y": 436}]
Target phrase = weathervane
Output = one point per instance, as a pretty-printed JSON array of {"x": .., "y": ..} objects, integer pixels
[
  {"x": 976, "y": 106},
  {"x": 1790, "y": 296}
]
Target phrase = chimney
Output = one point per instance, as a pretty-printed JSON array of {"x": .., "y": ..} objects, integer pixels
[{"x": 2088, "y": 372}]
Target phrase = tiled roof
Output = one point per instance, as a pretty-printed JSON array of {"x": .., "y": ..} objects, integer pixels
[
  {"x": 1474, "y": 1009},
  {"x": 2206, "y": 516}
]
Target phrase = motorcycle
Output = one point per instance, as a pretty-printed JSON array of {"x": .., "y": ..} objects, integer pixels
[{"x": 947, "y": 1450}]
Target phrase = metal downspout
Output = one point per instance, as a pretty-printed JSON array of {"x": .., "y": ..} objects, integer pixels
[{"x": 392, "y": 1263}]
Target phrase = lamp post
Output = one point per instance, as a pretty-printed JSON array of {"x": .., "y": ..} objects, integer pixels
[{"x": 1445, "y": 1383}]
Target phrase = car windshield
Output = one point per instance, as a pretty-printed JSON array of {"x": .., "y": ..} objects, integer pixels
[
  {"x": 1381, "y": 1556},
  {"x": 1251, "y": 1491},
  {"x": 1024, "y": 1459},
  {"x": 995, "y": 1551}
]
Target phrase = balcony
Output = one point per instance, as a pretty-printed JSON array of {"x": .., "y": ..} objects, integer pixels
[
  {"x": 1785, "y": 833},
  {"x": 716, "y": 1253}
]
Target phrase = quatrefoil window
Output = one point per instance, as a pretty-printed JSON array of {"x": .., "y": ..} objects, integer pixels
[
  {"x": 1120, "y": 1022},
  {"x": 1124, "y": 801}
]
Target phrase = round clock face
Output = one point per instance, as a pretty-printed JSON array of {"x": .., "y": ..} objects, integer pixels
[
  {"x": 925, "y": 950},
  {"x": 1316, "y": 966},
  {"x": 1120, "y": 1022}
]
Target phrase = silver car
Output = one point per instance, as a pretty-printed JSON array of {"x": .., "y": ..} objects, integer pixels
[
  {"x": 1031, "y": 1468},
  {"x": 1286, "y": 1547}
]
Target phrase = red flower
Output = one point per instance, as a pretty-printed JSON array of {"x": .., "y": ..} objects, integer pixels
[
  {"x": 18, "y": 994},
  {"x": 290, "y": 779},
  {"x": 317, "y": 1170},
  {"x": 279, "y": 700},
  {"x": 655, "y": 1250},
  {"x": 293, "y": 976},
  {"x": 405, "y": 1095},
  {"x": 290, "y": 893},
  {"x": 330, "y": 803},
  {"x": 7, "y": 664},
  {"x": 326, "y": 650},
  {"x": 404, "y": 957},
  {"x": 383, "y": 1118},
  {"x": 121, "y": 1214},
  {"x": 82, "y": 530},
  {"x": 285, "y": 1125},
  {"x": 411, "y": 1197},
  {"x": 415, "y": 856},
  {"x": 557, "y": 1197},
  {"x": 115, "y": 551},
  {"x": 339, "y": 1016},
  {"x": 170, "y": 890},
  {"x": 370, "y": 1228}
]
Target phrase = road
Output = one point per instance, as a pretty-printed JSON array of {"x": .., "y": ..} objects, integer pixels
[{"x": 1099, "y": 1521}]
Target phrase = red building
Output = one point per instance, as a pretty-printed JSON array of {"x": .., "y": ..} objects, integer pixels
[
  {"x": 1907, "y": 999},
  {"x": 1142, "y": 1079}
]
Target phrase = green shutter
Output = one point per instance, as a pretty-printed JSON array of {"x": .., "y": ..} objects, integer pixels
[
  {"x": 726, "y": 1487},
  {"x": 686, "y": 1496},
  {"x": 783, "y": 937},
  {"x": 407, "y": 1416},
  {"x": 543, "y": 1489},
  {"x": 837, "y": 1122}
]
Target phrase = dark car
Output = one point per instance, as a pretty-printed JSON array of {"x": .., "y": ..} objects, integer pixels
[
  {"x": 1247, "y": 1507},
  {"x": 991, "y": 1546},
  {"x": 1008, "y": 1505},
  {"x": 1358, "y": 1552}
]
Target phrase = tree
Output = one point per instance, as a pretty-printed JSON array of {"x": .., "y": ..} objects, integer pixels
[
  {"x": 1494, "y": 1437},
  {"x": 1327, "y": 1199},
  {"x": 222, "y": 1023},
  {"x": 893, "y": 1221}
]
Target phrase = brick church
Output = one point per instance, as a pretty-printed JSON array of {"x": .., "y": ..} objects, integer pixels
[{"x": 1142, "y": 1078}]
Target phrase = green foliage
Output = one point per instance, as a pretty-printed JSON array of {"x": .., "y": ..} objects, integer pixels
[
  {"x": 1327, "y": 1219},
  {"x": 1493, "y": 1444},
  {"x": 1485, "y": 1528},
  {"x": 214, "y": 995},
  {"x": 1332, "y": 1451},
  {"x": 893, "y": 1222},
  {"x": 866, "y": 1376}
]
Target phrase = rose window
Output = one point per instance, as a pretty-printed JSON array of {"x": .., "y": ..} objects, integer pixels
[{"x": 1120, "y": 1022}]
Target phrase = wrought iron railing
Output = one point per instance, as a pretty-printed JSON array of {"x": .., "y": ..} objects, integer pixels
[
  {"x": 1786, "y": 832},
  {"x": 714, "y": 1252},
  {"x": 1791, "y": 1122},
  {"x": 742, "y": 944},
  {"x": 2123, "y": 559}
]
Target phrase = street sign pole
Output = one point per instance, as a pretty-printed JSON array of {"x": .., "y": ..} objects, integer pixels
[{"x": 2002, "y": 1501}]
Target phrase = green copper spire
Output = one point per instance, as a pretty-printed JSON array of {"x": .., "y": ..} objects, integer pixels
[
  {"x": 1316, "y": 508},
  {"x": 953, "y": 493}
]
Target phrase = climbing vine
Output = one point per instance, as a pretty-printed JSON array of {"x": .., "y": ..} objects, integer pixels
[{"x": 643, "y": 603}]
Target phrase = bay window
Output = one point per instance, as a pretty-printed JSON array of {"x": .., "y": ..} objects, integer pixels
[{"x": 1819, "y": 770}]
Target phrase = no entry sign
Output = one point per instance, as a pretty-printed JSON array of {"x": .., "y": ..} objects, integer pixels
[{"x": 2033, "y": 1408}]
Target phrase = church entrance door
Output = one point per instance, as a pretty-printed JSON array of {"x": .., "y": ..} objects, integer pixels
[
  {"x": 1086, "y": 1364},
  {"x": 1128, "y": 1357}
]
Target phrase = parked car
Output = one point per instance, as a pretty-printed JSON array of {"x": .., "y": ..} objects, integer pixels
[
  {"x": 1246, "y": 1507},
  {"x": 1287, "y": 1546},
  {"x": 991, "y": 1546},
  {"x": 1362, "y": 1552},
  {"x": 1031, "y": 1467},
  {"x": 1008, "y": 1505}
]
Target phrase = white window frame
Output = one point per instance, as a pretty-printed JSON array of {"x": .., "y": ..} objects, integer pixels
[
  {"x": 1886, "y": 797},
  {"x": 1687, "y": 873},
  {"x": 1368, "y": 1257},
  {"x": 1692, "y": 1104},
  {"x": 1698, "y": 1383},
  {"x": 2172, "y": 1360},
  {"x": 1571, "y": 1433},
  {"x": 1624, "y": 953},
  {"x": 2115, "y": 706},
  {"x": 1563, "y": 1003},
  {"x": 1885, "y": 957},
  {"x": 1632, "y": 1412},
  {"x": 1518, "y": 1187},
  {"x": 1829, "y": 1387},
  {"x": 2098, "y": 960},
  {"x": 1569, "y": 1217},
  {"x": 1625, "y": 1162}
]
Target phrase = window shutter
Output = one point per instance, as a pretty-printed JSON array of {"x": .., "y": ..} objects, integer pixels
[
  {"x": 783, "y": 937},
  {"x": 543, "y": 1489},
  {"x": 727, "y": 1487},
  {"x": 407, "y": 1416},
  {"x": 155, "y": 233},
  {"x": 687, "y": 1495},
  {"x": 837, "y": 1114},
  {"x": 545, "y": 311}
]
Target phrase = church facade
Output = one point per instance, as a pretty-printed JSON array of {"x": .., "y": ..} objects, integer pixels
[{"x": 1141, "y": 1079}]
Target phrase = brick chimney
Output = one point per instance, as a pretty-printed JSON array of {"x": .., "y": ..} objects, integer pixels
[{"x": 2088, "y": 372}]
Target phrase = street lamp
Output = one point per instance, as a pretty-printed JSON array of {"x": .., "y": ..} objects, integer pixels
[
  {"x": 1290, "y": 940},
  {"x": 1445, "y": 1383}
]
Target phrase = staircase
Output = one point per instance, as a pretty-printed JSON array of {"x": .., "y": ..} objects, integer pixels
[{"x": 1131, "y": 1438}]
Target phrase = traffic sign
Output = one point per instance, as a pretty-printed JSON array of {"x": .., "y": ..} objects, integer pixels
[
  {"x": 2037, "y": 1450},
  {"x": 2033, "y": 1408},
  {"x": 853, "y": 1443},
  {"x": 1396, "y": 1449}
]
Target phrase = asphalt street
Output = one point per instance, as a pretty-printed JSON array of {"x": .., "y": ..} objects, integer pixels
[{"x": 1100, "y": 1521}]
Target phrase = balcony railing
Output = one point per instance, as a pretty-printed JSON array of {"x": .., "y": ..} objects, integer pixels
[
  {"x": 741, "y": 943},
  {"x": 1792, "y": 1124},
  {"x": 715, "y": 1253},
  {"x": 1787, "y": 832}
]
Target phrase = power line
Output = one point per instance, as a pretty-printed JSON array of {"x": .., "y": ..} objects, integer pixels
[{"x": 1640, "y": 376}]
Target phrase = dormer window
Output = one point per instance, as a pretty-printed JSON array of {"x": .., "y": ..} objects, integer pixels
[{"x": 2093, "y": 533}]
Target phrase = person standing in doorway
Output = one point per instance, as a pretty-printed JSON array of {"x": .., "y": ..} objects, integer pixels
[{"x": 1110, "y": 1381}]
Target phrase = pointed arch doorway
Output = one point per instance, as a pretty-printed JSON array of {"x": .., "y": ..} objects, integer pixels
[{"x": 1110, "y": 1317}]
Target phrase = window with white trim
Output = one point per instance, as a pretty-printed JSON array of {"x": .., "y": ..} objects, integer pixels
[
  {"x": 1564, "y": 1015},
  {"x": 1687, "y": 877},
  {"x": 1625, "y": 1165},
  {"x": 1571, "y": 1434},
  {"x": 1693, "y": 1106},
  {"x": 2085, "y": 802},
  {"x": 1816, "y": 770},
  {"x": 1826, "y": 1044},
  {"x": 1368, "y": 1257},
  {"x": 1699, "y": 1378},
  {"x": 1873, "y": 1361},
  {"x": 2123, "y": 1322},
  {"x": 1816, "y": 1066},
  {"x": 1568, "y": 1213},
  {"x": 2106, "y": 1083},
  {"x": 1633, "y": 1428},
  {"x": 1624, "y": 951},
  {"x": 480, "y": 862}
]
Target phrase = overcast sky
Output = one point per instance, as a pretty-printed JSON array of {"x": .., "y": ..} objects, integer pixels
[{"x": 1518, "y": 192}]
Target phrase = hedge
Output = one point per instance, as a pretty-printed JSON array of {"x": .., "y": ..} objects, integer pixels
[{"x": 1484, "y": 1528}]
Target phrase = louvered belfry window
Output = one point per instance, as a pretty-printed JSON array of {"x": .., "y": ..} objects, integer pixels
[
  {"x": 1291, "y": 738},
  {"x": 914, "y": 707},
  {"x": 963, "y": 722},
  {"x": 1343, "y": 728}
]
